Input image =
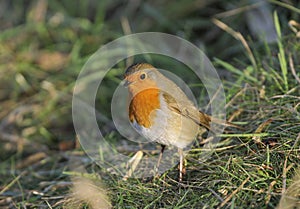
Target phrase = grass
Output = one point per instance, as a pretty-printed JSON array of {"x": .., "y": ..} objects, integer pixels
[{"x": 41, "y": 53}]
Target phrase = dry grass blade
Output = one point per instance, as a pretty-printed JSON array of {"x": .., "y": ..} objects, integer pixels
[
  {"x": 233, "y": 193},
  {"x": 34, "y": 158},
  {"x": 285, "y": 5},
  {"x": 271, "y": 186},
  {"x": 293, "y": 69},
  {"x": 295, "y": 27},
  {"x": 235, "y": 114},
  {"x": 257, "y": 139},
  {"x": 238, "y": 10},
  {"x": 238, "y": 36},
  {"x": 237, "y": 95},
  {"x": 127, "y": 31},
  {"x": 12, "y": 182},
  {"x": 132, "y": 164}
]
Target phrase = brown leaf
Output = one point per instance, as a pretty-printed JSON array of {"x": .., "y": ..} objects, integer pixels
[
  {"x": 52, "y": 61},
  {"x": 66, "y": 145}
]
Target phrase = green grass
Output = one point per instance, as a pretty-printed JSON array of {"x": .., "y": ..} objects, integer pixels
[{"x": 41, "y": 56}]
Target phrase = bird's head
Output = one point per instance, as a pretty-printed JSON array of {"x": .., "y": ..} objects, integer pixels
[{"x": 139, "y": 77}]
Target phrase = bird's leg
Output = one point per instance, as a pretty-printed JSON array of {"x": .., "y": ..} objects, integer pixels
[
  {"x": 160, "y": 157},
  {"x": 181, "y": 157}
]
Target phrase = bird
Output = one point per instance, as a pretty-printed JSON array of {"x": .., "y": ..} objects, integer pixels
[{"x": 161, "y": 112}]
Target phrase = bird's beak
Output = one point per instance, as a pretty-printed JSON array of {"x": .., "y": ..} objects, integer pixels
[
  {"x": 126, "y": 83},
  {"x": 128, "y": 80}
]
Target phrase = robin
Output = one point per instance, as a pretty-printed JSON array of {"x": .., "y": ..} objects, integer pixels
[{"x": 160, "y": 111}]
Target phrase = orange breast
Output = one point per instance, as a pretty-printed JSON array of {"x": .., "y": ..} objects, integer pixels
[{"x": 142, "y": 105}]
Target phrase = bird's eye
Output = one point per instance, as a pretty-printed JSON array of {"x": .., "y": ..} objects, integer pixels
[{"x": 143, "y": 76}]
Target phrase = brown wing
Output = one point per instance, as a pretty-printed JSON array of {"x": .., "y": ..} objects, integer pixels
[{"x": 188, "y": 110}]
